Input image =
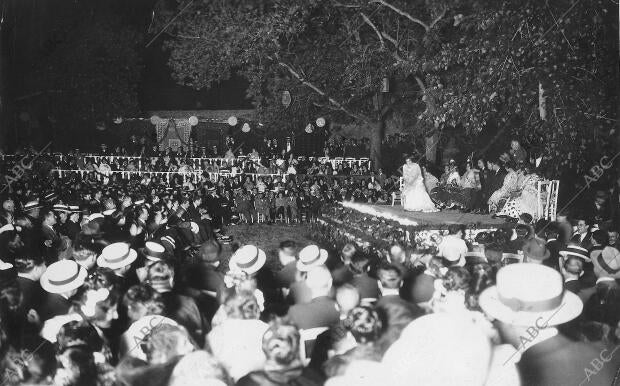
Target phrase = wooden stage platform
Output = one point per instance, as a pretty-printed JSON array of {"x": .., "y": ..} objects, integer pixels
[{"x": 443, "y": 217}]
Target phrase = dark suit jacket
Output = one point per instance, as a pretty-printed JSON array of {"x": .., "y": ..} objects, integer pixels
[
  {"x": 367, "y": 286},
  {"x": 423, "y": 288},
  {"x": 573, "y": 286},
  {"x": 319, "y": 312},
  {"x": 560, "y": 361},
  {"x": 554, "y": 246},
  {"x": 386, "y": 301},
  {"x": 184, "y": 310},
  {"x": 496, "y": 180},
  {"x": 51, "y": 244},
  {"x": 53, "y": 305},
  {"x": 586, "y": 243},
  {"x": 32, "y": 292}
]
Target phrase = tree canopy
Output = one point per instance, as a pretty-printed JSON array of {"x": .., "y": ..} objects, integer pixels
[
  {"x": 90, "y": 71},
  {"x": 543, "y": 70}
]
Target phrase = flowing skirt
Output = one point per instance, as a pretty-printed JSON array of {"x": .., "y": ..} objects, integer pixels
[{"x": 415, "y": 198}]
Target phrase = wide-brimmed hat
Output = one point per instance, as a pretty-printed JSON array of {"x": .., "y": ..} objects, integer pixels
[
  {"x": 50, "y": 196},
  {"x": 248, "y": 259},
  {"x": 63, "y": 276},
  {"x": 607, "y": 263},
  {"x": 311, "y": 256},
  {"x": 536, "y": 249},
  {"x": 153, "y": 251},
  {"x": 116, "y": 255},
  {"x": 530, "y": 295},
  {"x": 32, "y": 204},
  {"x": 60, "y": 208},
  {"x": 576, "y": 250}
]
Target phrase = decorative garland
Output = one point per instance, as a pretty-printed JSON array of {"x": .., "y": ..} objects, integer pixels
[{"x": 375, "y": 235}]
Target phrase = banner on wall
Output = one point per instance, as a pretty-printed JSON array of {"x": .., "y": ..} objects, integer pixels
[{"x": 173, "y": 133}]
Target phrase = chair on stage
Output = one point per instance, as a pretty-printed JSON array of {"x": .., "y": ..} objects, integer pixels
[
  {"x": 547, "y": 199},
  {"x": 396, "y": 195},
  {"x": 396, "y": 198}
]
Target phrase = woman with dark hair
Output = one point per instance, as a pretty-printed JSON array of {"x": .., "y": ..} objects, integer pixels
[
  {"x": 283, "y": 365},
  {"x": 485, "y": 176}
]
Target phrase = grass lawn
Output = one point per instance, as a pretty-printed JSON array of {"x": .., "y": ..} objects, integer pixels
[{"x": 268, "y": 237}]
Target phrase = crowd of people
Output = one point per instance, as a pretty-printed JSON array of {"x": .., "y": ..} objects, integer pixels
[
  {"x": 135, "y": 282},
  {"x": 112, "y": 287}
]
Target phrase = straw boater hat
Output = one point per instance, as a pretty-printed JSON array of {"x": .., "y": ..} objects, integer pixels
[
  {"x": 530, "y": 295},
  {"x": 153, "y": 251},
  {"x": 116, "y": 255},
  {"x": 60, "y": 208},
  {"x": 63, "y": 276},
  {"x": 311, "y": 256},
  {"x": 248, "y": 259},
  {"x": 576, "y": 250},
  {"x": 32, "y": 204}
]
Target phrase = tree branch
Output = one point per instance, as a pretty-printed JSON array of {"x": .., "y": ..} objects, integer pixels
[
  {"x": 322, "y": 93},
  {"x": 438, "y": 18},
  {"x": 339, "y": 4},
  {"x": 374, "y": 27},
  {"x": 403, "y": 13},
  {"x": 430, "y": 102}
]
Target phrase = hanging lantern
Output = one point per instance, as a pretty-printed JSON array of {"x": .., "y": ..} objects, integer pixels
[
  {"x": 193, "y": 120},
  {"x": 309, "y": 128},
  {"x": 232, "y": 121},
  {"x": 155, "y": 119},
  {"x": 320, "y": 122},
  {"x": 118, "y": 120},
  {"x": 385, "y": 84},
  {"x": 286, "y": 98},
  {"x": 246, "y": 128}
]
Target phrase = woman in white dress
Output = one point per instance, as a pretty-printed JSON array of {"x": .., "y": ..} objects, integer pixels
[{"x": 414, "y": 196}]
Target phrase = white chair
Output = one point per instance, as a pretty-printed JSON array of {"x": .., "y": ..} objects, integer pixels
[
  {"x": 396, "y": 197},
  {"x": 306, "y": 342},
  {"x": 547, "y": 199}
]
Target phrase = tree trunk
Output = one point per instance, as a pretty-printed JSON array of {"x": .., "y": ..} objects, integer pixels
[{"x": 376, "y": 139}]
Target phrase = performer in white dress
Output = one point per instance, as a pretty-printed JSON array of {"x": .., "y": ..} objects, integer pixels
[{"x": 414, "y": 196}]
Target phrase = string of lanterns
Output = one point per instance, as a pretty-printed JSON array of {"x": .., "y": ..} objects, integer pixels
[{"x": 232, "y": 121}]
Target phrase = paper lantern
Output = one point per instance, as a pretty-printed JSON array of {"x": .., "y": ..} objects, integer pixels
[
  {"x": 232, "y": 121},
  {"x": 118, "y": 120},
  {"x": 286, "y": 98},
  {"x": 246, "y": 128},
  {"x": 309, "y": 128},
  {"x": 155, "y": 119},
  {"x": 193, "y": 120},
  {"x": 320, "y": 122}
]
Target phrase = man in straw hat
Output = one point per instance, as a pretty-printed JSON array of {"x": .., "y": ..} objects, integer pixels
[
  {"x": 61, "y": 281},
  {"x": 118, "y": 257},
  {"x": 528, "y": 303}
]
